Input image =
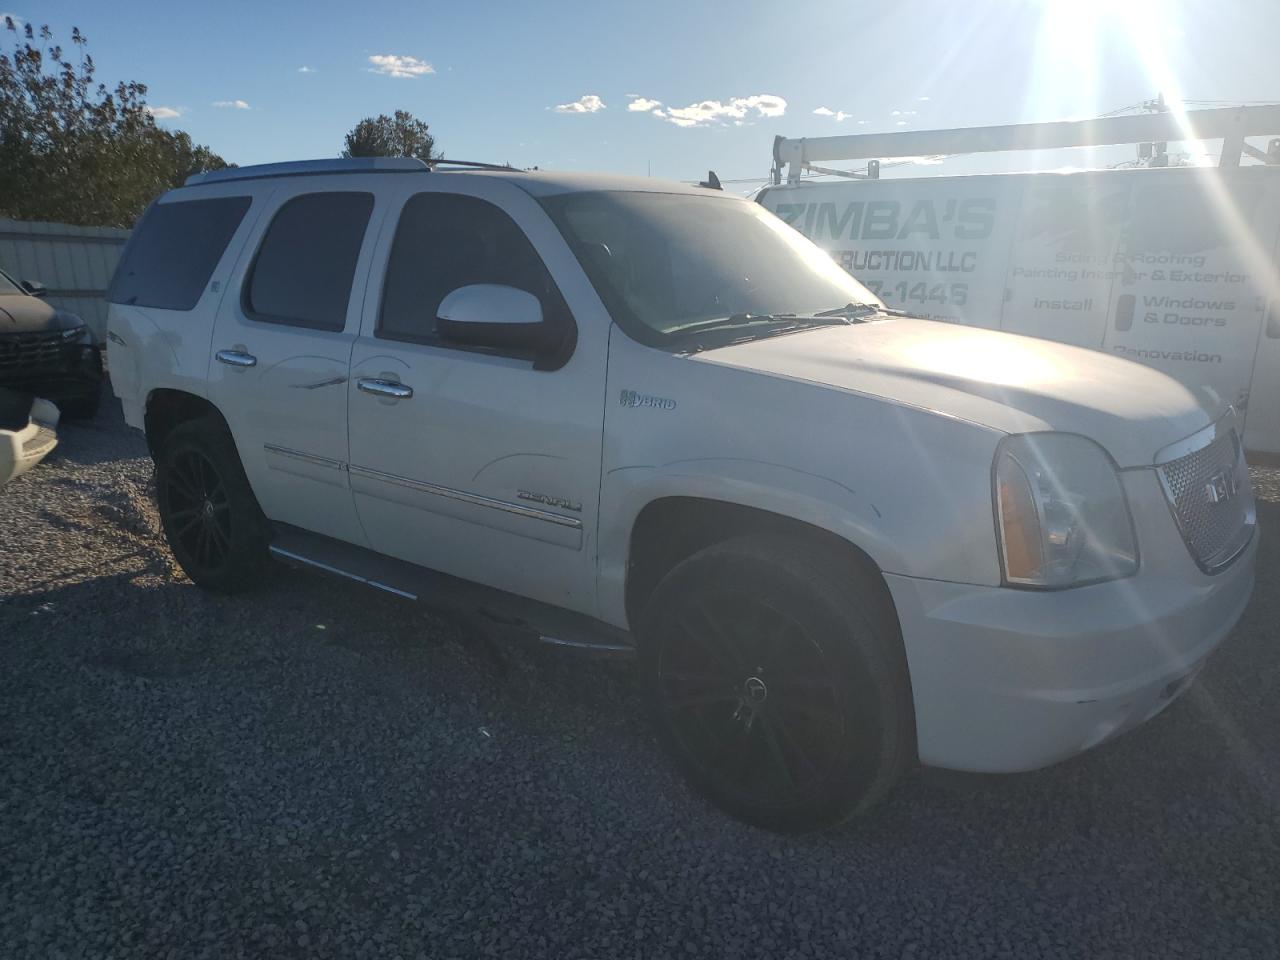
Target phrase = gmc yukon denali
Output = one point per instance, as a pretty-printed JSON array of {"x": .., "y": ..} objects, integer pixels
[{"x": 629, "y": 414}]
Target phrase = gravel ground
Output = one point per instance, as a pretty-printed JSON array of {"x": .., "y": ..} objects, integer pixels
[{"x": 314, "y": 770}]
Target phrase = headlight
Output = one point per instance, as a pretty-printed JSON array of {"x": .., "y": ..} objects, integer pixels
[{"x": 1061, "y": 512}]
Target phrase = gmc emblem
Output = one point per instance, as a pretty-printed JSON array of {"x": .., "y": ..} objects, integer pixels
[{"x": 1221, "y": 486}]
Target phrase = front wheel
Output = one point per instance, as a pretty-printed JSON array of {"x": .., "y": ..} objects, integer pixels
[
  {"x": 775, "y": 677},
  {"x": 212, "y": 520}
]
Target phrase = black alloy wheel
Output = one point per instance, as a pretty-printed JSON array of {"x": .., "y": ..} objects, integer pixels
[
  {"x": 199, "y": 509},
  {"x": 212, "y": 520},
  {"x": 774, "y": 673},
  {"x": 750, "y": 695}
]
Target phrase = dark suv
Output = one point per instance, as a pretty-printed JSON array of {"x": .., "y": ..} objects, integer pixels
[{"x": 47, "y": 352}]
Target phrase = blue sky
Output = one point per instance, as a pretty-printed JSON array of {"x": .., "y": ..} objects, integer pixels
[{"x": 488, "y": 76}]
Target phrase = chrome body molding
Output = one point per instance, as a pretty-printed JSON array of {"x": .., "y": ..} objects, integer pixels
[
  {"x": 319, "y": 461},
  {"x": 462, "y": 496}
]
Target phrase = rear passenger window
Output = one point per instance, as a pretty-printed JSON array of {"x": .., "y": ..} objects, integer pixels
[
  {"x": 304, "y": 268},
  {"x": 446, "y": 241},
  {"x": 173, "y": 251}
]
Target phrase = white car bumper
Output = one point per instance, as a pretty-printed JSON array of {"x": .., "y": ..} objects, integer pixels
[
  {"x": 1006, "y": 680},
  {"x": 20, "y": 450}
]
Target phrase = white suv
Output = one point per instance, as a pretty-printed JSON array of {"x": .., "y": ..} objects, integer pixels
[{"x": 631, "y": 413}]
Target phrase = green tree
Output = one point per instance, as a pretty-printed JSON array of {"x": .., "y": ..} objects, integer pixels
[
  {"x": 74, "y": 151},
  {"x": 403, "y": 135}
]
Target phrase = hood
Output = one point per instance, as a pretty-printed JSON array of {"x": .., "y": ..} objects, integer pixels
[
  {"x": 20, "y": 313},
  {"x": 1010, "y": 383}
]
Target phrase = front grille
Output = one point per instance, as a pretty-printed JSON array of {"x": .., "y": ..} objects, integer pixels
[
  {"x": 1211, "y": 497},
  {"x": 24, "y": 354}
]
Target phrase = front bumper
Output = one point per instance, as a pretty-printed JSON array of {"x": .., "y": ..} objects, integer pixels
[
  {"x": 1007, "y": 680},
  {"x": 24, "y": 444},
  {"x": 77, "y": 374}
]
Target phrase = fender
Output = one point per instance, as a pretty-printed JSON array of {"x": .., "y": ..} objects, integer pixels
[{"x": 771, "y": 487}]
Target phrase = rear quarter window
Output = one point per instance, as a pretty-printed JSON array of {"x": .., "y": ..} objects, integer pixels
[{"x": 174, "y": 250}]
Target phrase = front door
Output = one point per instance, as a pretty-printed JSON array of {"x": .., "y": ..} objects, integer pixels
[
  {"x": 282, "y": 349},
  {"x": 470, "y": 461}
]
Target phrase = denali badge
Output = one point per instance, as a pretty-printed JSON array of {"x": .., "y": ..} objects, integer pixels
[
  {"x": 629, "y": 398},
  {"x": 560, "y": 502},
  {"x": 1221, "y": 486}
]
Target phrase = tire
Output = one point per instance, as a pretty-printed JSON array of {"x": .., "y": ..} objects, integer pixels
[
  {"x": 774, "y": 673},
  {"x": 212, "y": 520}
]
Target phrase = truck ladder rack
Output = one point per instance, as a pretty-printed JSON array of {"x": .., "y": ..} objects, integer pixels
[{"x": 1232, "y": 125}]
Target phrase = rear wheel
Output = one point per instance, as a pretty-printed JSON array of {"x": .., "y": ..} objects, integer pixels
[
  {"x": 212, "y": 520},
  {"x": 776, "y": 680}
]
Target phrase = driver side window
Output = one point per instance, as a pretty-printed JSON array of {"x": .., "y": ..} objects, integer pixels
[{"x": 446, "y": 241}]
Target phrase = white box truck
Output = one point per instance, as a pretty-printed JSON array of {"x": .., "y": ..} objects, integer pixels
[{"x": 1174, "y": 267}]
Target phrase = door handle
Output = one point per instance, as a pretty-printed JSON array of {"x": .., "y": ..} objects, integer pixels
[
  {"x": 235, "y": 358},
  {"x": 384, "y": 388}
]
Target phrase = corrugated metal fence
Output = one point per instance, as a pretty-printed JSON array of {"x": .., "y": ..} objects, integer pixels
[{"x": 75, "y": 263}]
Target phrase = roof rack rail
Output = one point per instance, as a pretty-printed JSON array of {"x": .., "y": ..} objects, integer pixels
[
  {"x": 310, "y": 168},
  {"x": 474, "y": 164},
  {"x": 1231, "y": 125}
]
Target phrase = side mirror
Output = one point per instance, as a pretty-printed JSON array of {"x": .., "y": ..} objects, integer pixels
[
  {"x": 496, "y": 316},
  {"x": 35, "y": 288}
]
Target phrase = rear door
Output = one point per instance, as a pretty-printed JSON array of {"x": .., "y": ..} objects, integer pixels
[
  {"x": 485, "y": 467},
  {"x": 281, "y": 348}
]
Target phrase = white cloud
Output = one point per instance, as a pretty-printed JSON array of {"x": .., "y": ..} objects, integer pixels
[
  {"x": 839, "y": 115},
  {"x": 708, "y": 112},
  {"x": 902, "y": 113},
  {"x": 587, "y": 103},
  {"x": 233, "y": 104},
  {"x": 305, "y": 69},
  {"x": 165, "y": 113},
  {"x": 902, "y": 123},
  {"x": 923, "y": 99},
  {"x": 394, "y": 65},
  {"x": 643, "y": 105}
]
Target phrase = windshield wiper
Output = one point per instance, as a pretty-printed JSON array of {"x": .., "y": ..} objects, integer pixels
[
  {"x": 850, "y": 310},
  {"x": 796, "y": 320},
  {"x": 733, "y": 320}
]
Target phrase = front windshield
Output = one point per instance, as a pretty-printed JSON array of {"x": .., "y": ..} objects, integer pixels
[
  {"x": 666, "y": 263},
  {"x": 8, "y": 285}
]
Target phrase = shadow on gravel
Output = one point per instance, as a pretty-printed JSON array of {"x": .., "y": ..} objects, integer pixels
[
  {"x": 314, "y": 753},
  {"x": 103, "y": 440}
]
